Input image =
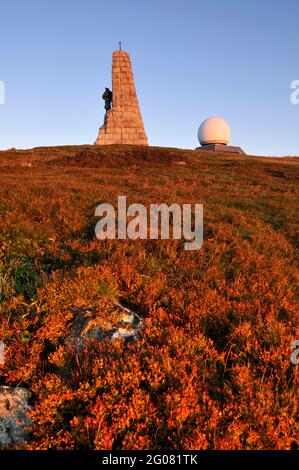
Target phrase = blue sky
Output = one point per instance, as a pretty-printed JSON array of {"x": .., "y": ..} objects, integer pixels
[{"x": 191, "y": 59}]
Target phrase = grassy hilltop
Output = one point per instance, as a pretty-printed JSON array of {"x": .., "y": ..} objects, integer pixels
[{"x": 211, "y": 368}]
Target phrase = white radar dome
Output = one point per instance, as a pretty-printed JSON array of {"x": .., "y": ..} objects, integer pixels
[{"x": 214, "y": 130}]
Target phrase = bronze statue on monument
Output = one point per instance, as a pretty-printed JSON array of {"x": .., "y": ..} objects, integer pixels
[{"x": 107, "y": 97}]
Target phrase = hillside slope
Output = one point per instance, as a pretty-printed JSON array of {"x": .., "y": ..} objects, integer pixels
[{"x": 211, "y": 367}]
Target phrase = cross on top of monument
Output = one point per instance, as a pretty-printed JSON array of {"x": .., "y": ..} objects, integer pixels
[{"x": 119, "y": 45}]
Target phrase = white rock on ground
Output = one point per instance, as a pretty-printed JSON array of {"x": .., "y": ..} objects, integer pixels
[
  {"x": 15, "y": 422},
  {"x": 90, "y": 324},
  {"x": 128, "y": 318}
]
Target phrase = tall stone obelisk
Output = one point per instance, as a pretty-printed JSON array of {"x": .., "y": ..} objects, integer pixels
[{"x": 124, "y": 124}]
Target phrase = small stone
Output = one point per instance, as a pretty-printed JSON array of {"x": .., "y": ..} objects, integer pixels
[
  {"x": 15, "y": 422},
  {"x": 128, "y": 318}
]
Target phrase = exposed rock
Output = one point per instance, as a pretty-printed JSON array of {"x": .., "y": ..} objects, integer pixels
[
  {"x": 118, "y": 322},
  {"x": 124, "y": 332},
  {"x": 15, "y": 422},
  {"x": 111, "y": 321},
  {"x": 128, "y": 317}
]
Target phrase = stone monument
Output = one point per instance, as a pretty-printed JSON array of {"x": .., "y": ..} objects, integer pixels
[{"x": 123, "y": 123}]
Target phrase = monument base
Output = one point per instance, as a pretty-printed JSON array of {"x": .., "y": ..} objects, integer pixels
[{"x": 222, "y": 148}]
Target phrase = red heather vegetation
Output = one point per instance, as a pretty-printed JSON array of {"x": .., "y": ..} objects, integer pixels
[{"x": 211, "y": 368}]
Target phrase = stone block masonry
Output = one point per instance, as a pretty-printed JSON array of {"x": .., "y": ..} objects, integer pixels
[{"x": 124, "y": 124}]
